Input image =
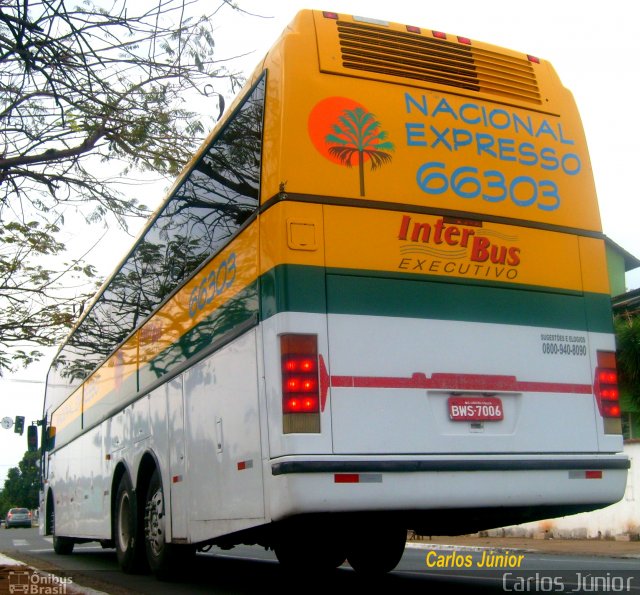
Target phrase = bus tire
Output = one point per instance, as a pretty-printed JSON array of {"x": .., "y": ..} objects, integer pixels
[
  {"x": 377, "y": 550},
  {"x": 63, "y": 546},
  {"x": 164, "y": 559},
  {"x": 126, "y": 528}
]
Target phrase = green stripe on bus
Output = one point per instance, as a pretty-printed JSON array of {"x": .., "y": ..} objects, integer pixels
[
  {"x": 291, "y": 288},
  {"x": 308, "y": 289}
]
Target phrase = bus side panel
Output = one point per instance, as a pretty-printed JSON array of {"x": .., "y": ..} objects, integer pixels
[
  {"x": 62, "y": 486},
  {"x": 222, "y": 426},
  {"x": 95, "y": 508},
  {"x": 176, "y": 442},
  {"x": 77, "y": 478}
]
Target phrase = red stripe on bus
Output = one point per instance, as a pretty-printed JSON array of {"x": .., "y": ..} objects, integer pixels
[{"x": 453, "y": 382}]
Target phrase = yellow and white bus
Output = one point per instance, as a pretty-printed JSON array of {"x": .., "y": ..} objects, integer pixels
[{"x": 376, "y": 300}]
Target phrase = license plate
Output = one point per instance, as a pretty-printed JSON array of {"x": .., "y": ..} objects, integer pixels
[{"x": 475, "y": 409}]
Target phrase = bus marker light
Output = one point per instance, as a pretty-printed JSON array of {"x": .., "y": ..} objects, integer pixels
[
  {"x": 357, "y": 478},
  {"x": 439, "y": 34},
  {"x": 370, "y": 21},
  {"x": 464, "y": 40},
  {"x": 533, "y": 59},
  {"x": 588, "y": 474},
  {"x": 346, "y": 478},
  {"x": 412, "y": 29},
  {"x": 330, "y": 15}
]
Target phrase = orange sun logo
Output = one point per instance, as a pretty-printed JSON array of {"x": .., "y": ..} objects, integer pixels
[{"x": 343, "y": 131}]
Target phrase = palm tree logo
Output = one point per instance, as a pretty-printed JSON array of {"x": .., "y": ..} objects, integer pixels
[{"x": 357, "y": 136}]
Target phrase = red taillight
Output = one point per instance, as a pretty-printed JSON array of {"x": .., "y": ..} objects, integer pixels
[
  {"x": 299, "y": 364},
  {"x": 301, "y": 405},
  {"x": 300, "y": 386},
  {"x": 605, "y": 386},
  {"x": 608, "y": 377}
]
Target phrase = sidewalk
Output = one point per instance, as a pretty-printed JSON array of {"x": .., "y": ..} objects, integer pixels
[{"x": 589, "y": 547}]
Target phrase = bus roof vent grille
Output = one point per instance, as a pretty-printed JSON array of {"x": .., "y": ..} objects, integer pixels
[{"x": 408, "y": 55}]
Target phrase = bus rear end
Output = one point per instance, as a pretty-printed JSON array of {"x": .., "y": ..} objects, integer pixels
[
  {"x": 475, "y": 404},
  {"x": 437, "y": 329}
]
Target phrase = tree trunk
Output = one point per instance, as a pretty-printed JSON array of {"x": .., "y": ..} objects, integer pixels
[{"x": 361, "y": 168}]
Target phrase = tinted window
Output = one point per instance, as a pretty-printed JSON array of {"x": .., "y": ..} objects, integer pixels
[{"x": 219, "y": 194}]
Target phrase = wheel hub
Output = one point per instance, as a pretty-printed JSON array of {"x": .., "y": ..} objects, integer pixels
[{"x": 154, "y": 522}]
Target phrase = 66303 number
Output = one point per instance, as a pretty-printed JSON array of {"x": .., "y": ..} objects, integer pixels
[{"x": 491, "y": 185}]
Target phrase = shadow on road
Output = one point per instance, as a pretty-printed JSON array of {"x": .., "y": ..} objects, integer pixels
[{"x": 221, "y": 573}]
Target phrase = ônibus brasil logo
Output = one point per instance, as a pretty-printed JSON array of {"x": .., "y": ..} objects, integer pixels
[{"x": 345, "y": 132}]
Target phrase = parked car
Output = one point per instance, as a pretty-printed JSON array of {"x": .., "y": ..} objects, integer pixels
[{"x": 18, "y": 517}]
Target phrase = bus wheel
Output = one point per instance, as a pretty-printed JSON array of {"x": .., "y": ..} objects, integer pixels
[
  {"x": 129, "y": 547},
  {"x": 63, "y": 546},
  {"x": 164, "y": 559},
  {"x": 377, "y": 550}
]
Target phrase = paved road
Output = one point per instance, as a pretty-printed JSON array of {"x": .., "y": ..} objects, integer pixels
[{"x": 251, "y": 570}]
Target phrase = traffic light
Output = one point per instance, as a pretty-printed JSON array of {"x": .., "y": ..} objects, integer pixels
[
  {"x": 32, "y": 438},
  {"x": 18, "y": 428}
]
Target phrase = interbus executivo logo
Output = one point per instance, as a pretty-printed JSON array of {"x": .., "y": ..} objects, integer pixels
[
  {"x": 346, "y": 133},
  {"x": 460, "y": 248}
]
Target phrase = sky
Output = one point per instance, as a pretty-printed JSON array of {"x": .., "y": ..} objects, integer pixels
[{"x": 591, "y": 44}]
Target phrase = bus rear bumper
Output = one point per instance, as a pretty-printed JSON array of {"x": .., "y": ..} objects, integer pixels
[{"x": 514, "y": 488}]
